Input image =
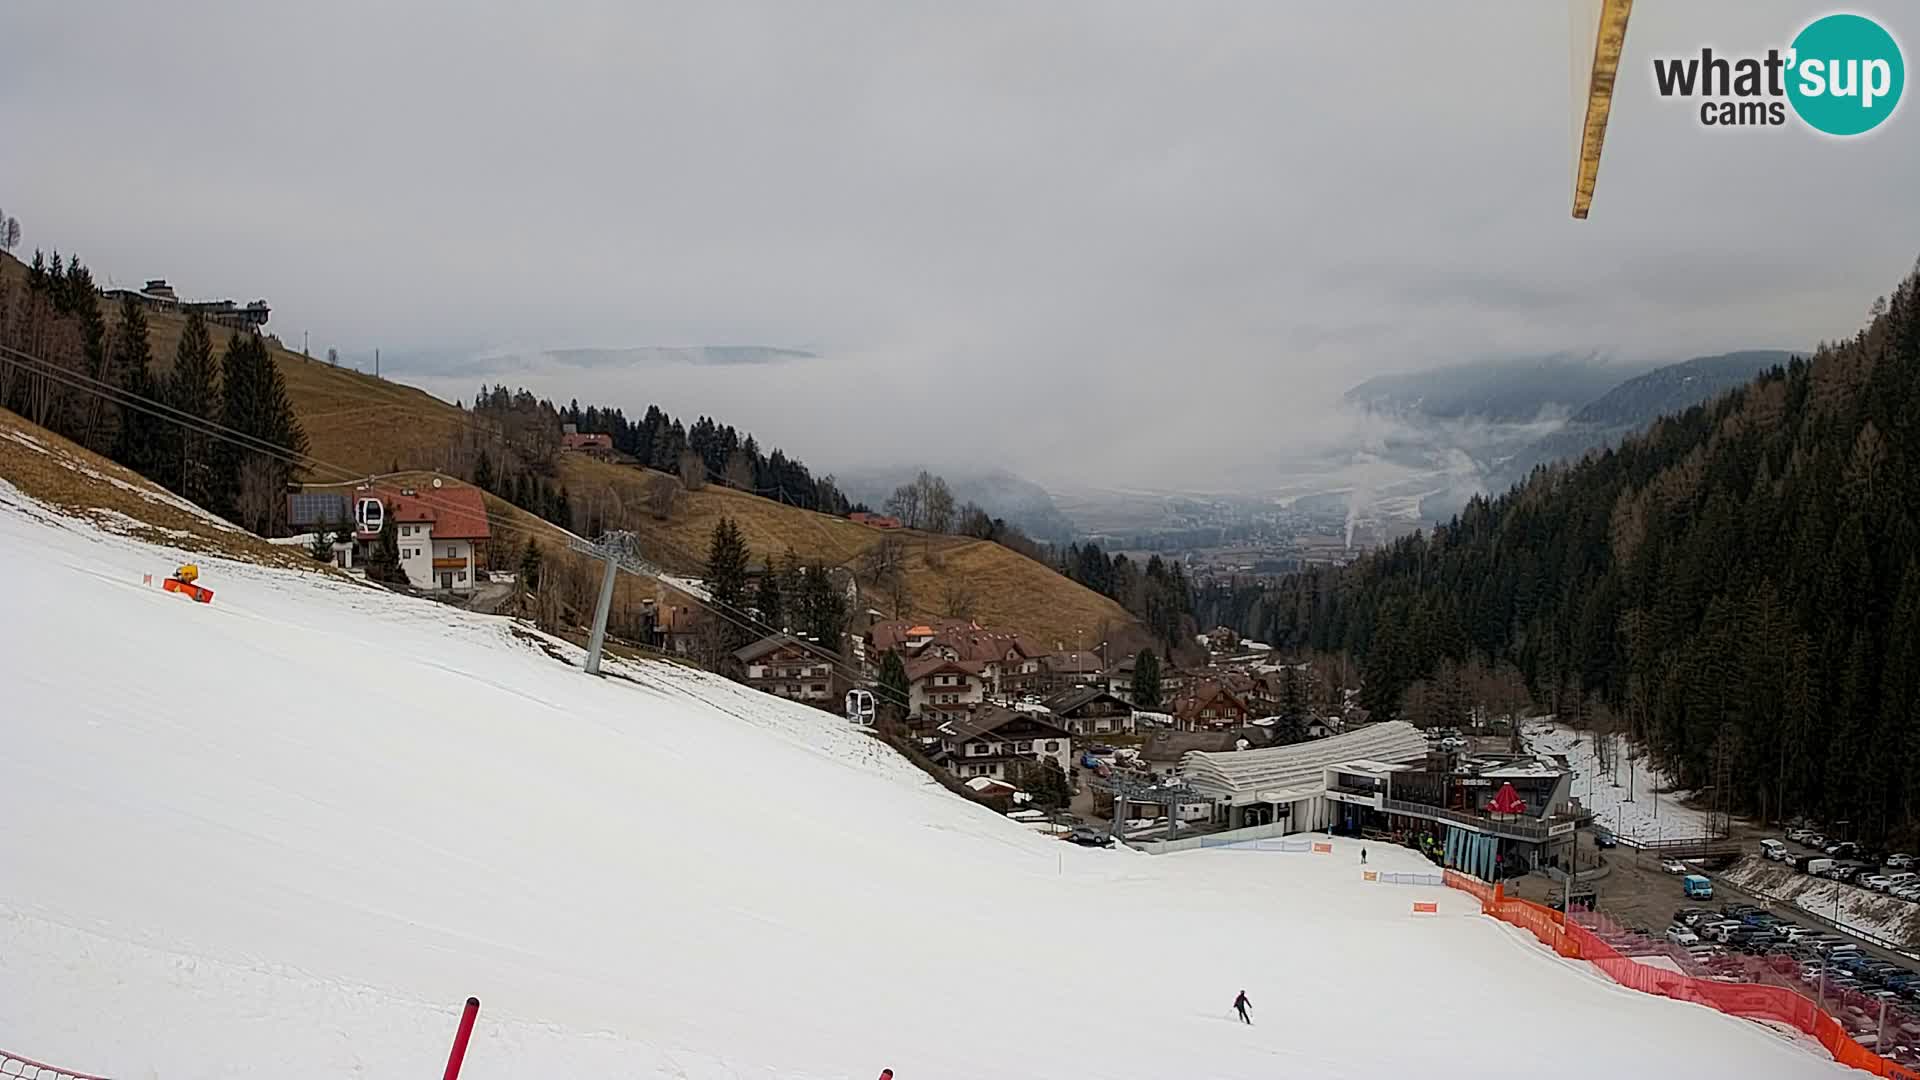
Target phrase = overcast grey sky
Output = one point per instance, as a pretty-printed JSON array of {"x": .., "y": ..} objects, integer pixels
[{"x": 1095, "y": 241}]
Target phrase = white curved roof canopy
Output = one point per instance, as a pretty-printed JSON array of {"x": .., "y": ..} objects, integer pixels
[{"x": 1287, "y": 773}]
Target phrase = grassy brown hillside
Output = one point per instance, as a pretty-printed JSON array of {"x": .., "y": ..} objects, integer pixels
[
  {"x": 74, "y": 481},
  {"x": 366, "y": 426},
  {"x": 1006, "y": 589}
]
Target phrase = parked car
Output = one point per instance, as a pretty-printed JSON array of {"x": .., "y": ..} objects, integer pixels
[
  {"x": 1816, "y": 841},
  {"x": 1845, "y": 849},
  {"x": 1799, "y": 836},
  {"x": 1903, "y": 877},
  {"x": 1721, "y": 931},
  {"x": 1773, "y": 849},
  {"x": 1899, "y": 861},
  {"x": 1088, "y": 836},
  {"x": 1682, "y": 936},
  {"x": 1876, "y": 882},
  {"x": 1821, "y": 867},
  {"x": 1604, "y": 838}
]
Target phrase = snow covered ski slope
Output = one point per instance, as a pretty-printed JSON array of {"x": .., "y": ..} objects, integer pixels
[{"x": 288, "y": 833}]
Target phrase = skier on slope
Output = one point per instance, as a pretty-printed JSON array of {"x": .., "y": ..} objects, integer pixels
[{"x": 1241, "y": 1005}]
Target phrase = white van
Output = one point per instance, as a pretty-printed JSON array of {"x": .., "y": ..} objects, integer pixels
[
  {"x": 1773, "y": 849},
  {"x": 1820, "y": 867}
]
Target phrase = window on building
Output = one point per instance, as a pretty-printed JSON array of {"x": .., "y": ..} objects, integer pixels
[
  {"x": 977, "y": 749},
  {"x": 1025, "y": 747},
  {"x": 1053, "y": 745},
  {"x": 460, "y": 575}
]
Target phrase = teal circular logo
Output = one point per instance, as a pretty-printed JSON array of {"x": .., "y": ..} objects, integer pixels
[{"x": 1846, "y": 75}]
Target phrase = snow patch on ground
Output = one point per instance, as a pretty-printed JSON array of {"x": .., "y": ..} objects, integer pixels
[
  {"x": 1865, "y": 912},
  {"x": 25, "y": 440},
  {"x": 286, "y": 834},
  {"x": 1647, "y": 817}
]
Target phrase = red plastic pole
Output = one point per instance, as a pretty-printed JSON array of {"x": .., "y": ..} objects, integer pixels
[{"x": 460, "y": 1038}]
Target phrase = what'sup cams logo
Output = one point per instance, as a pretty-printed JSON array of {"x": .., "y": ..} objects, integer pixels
[{"x": 1842, "y": 75}]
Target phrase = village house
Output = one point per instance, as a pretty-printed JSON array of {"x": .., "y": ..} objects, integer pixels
[
  {"x": 438, "y": 532},
  {"x": 160, "y": 296},
  {"x": 785, "y": 666},
  {"x": 1008, "y": 665},
  {"x": 937, "y": 685},
  {"x": 1070, "y": 669},
  {"x": 594, "y": 445},
  {"x": 1091, "y": 710},
  {"x": 1210, "y": 706},
  {"x": 1119, "y": 678},
  {"x": 990, "y": 740},
  {"x": 1221, "y": 639},
  {"x": 328, "y": 512},
  {"x": 877, "y": 521}
]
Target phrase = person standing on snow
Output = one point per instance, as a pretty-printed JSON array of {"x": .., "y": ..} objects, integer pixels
[
  {"x": 1363, "y": 856},
  {"x": 1241, "y": 1005}
]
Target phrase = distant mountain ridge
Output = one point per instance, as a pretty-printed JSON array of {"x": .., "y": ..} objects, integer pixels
[
  {"x": 1508, "y": 391},
  {"x": 1638, "y": 402}
]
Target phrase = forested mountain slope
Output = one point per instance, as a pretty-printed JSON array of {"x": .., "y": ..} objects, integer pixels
[
  {"x": 1740, "y": 583},
  {"x": 1639, "y": 401}
]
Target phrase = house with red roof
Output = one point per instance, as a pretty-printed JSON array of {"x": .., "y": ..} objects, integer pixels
[{"x": 440, "y": 531}]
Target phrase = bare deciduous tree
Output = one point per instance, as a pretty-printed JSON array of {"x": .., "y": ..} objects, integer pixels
[
  {"x": 905, "y": 505},
  {"x": 664, "y": 497},
  {"x": 959, "y": 600},
  {"x": 693, "y": 470},
  {"x": 9, "y": 232},
  {"x": 740, "y": 470},
  {"x": 260, "y": 493}
]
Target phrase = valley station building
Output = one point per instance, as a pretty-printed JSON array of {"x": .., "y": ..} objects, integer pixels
[{"x": 1489, "y": 815}]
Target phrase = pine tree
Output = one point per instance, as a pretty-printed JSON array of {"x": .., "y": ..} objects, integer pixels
[
  {"x": 1292, "y": 727},
  {"x": 138, "y": 444},
  {"x": 727, "y": 568},
  {"x": 1145, "y": 688},
  {"x": 383, "y": 560},
  {"x": 194, "y": 389},
  {"x": 483, "y": 472},
  {"x": 891, "y": 693},
  {"x": 563, "y": 510},
  {"x": 529, "y": 576},
  {"x": 769, "y": 603},
  {"x": 827, "y": 609},
  {"x": 321, "y": 546},
  {"x": 252, "y": 474}
]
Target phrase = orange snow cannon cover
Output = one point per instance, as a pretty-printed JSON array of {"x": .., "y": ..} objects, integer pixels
[{"x": 187, "y": 588}]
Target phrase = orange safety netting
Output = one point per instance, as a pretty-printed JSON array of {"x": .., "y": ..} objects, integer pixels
[{"x": 1754, "y": 1001}]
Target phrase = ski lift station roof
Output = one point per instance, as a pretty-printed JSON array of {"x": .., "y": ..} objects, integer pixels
[{"x": 1291, "y": 773}]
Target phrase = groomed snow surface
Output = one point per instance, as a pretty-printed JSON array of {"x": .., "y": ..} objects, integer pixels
[{"x": 287, "y": 834}]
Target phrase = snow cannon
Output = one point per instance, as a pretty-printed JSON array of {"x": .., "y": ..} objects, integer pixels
[{"x": 185, "y": 581}]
